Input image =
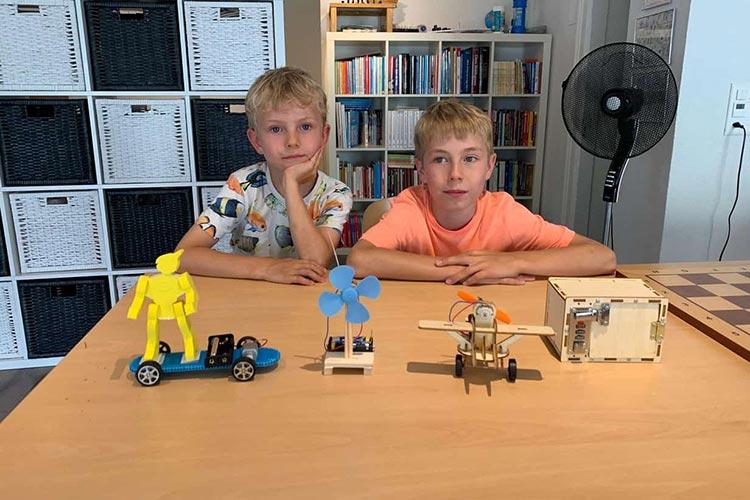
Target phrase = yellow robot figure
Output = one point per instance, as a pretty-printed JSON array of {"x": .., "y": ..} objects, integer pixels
[{"x": 165, "y": 291}]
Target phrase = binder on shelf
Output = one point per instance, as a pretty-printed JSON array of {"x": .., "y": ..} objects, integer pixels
[{"x": 358, "y": 124}]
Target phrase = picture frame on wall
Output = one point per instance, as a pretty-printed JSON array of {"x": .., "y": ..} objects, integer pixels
[
  {"x": 647, "y": 4},
  {"x": 655, "y": 32}
]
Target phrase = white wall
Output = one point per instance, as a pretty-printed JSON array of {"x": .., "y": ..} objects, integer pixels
[
  {"x": 459, "y": 14},
  {"x": 561, "y": 19},
  {"x": 300, "y": 32},
  {"x": 704, "y": 161}
]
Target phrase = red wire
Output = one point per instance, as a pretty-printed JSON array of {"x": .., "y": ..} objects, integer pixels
[{"x": 462, "y": 310}]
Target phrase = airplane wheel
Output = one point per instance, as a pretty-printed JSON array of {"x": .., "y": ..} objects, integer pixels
[
  {"x": 148, "y": 373},
  {"x": 164, "y": 347},
  {"x": 243, "y": 370},
  {"x": 459, "y": 368},
  {"x": 512, "y": 370}
]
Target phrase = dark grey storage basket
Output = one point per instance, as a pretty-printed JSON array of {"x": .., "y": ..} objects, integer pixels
[
  {"x": 145, "y": 223},
  {"x": 45, "y": 142},
  {"x": 220, "y": 138},
  {"x": 58, "y": 313},
  {"x": 4, "y": 264},
  {"x": 134, "y": 45}
]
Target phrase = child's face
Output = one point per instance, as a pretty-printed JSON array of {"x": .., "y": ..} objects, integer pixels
[
  {"x": 289, "y": 135},
  {"x": 455, "y": 171}
]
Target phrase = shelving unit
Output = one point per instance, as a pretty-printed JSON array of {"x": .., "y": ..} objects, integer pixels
[
  {"x": 500, "y": 47},
  {"x": 71, "y": 40}
]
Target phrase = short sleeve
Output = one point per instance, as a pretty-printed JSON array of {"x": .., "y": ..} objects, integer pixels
[
  {"x": 531, "y": 232},
  {"x": 333, "y": 208},
  {"x": 227, "y": 210},
  {"x": 392, "y": 232}
]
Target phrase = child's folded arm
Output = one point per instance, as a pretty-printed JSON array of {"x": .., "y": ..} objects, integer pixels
[
  {"x": 366, "y": 259},
  {"x": 582, "y": 257},
  {"x": 311, "y": 243},
  {"x": 200, "y": 259}
]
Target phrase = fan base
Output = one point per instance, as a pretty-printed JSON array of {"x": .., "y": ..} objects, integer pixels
[{"x": 364, "y": 360}]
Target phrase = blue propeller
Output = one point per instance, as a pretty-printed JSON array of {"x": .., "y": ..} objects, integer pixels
[{"x": 341, "y": 277}]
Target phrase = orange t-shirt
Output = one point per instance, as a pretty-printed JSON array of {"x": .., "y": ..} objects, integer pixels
[{"x": 500, "y": 223}]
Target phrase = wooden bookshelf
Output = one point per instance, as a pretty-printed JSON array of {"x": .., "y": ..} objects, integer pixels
[{"x": 496, "y": 46}]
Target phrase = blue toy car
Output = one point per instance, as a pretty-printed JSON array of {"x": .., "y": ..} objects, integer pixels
[{"x": 241, "y": 360}]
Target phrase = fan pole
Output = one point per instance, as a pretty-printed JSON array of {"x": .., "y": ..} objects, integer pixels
[
  {"x": 611, "y": 190},
  {"x": 607, "y": 218},
  {"x": 628, "y": 129}
]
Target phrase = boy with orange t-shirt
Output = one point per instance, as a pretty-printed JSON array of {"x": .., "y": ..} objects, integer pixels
[{"x": 450, "y": 229}]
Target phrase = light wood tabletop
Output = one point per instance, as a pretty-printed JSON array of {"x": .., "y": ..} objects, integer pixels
[{"x": 678, "y": 429}]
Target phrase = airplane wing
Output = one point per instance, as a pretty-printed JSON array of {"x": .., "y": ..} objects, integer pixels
[
  {"x": 444, "y": 326},
  {"x": 502, "y": 329},
  {"x": 542, "y": 331}
]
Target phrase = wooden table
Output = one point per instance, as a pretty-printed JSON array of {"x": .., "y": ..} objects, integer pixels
[{"x": 679, "y": 429}]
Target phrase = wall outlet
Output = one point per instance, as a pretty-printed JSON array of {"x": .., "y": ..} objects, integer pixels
[{"x": 738, "y": 109}]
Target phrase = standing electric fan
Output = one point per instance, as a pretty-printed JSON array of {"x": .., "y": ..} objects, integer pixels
[{"x": 617, "y": 103}]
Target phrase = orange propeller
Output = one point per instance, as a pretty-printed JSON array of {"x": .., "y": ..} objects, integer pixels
[
  {"x": 500, "y": 315},
  {"x": 467, "y": 296}
]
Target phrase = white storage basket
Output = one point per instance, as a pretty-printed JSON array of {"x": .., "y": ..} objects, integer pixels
[
  {"x": 143, "y": 140},
  {"x": 229, "y": 44},
  {"x": 208, "y": 195},
  {"x": 124, "y": 284},
  {"x": 12, "y": 343},
  {"x": 39, "y": 46},
  {"x": 58, "y": 231}
]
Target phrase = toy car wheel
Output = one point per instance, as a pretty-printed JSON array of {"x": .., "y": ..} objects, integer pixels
[
  {"x": 512, "y": 370},
  {"x": 243, "y": 369},
  {"x": 243, "y": 340},
  {"x": 164, "y": 347},
  {"x": 148, "y": 373},
  {"x": 459, "y": 368}
]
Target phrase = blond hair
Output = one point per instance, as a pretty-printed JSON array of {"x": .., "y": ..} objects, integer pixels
[
  {"x": 277, "y": 87},
  {"x": 454, "y": 118}
]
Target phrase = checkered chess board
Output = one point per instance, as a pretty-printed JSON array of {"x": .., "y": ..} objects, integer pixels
[
  {"x": 725, "y": 295},
  {"x": 713, "y": 297}
]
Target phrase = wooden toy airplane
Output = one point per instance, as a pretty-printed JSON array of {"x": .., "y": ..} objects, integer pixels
[{"x": 477, "y": 337}]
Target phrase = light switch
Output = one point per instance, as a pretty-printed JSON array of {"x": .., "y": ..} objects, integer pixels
[{"x": 738, "y": 109}]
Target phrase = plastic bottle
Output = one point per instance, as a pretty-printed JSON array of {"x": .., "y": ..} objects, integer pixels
[{"x": 519, "y": 17}]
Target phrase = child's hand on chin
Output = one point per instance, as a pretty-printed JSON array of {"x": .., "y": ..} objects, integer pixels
[{"x": 304, "y": 171}]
